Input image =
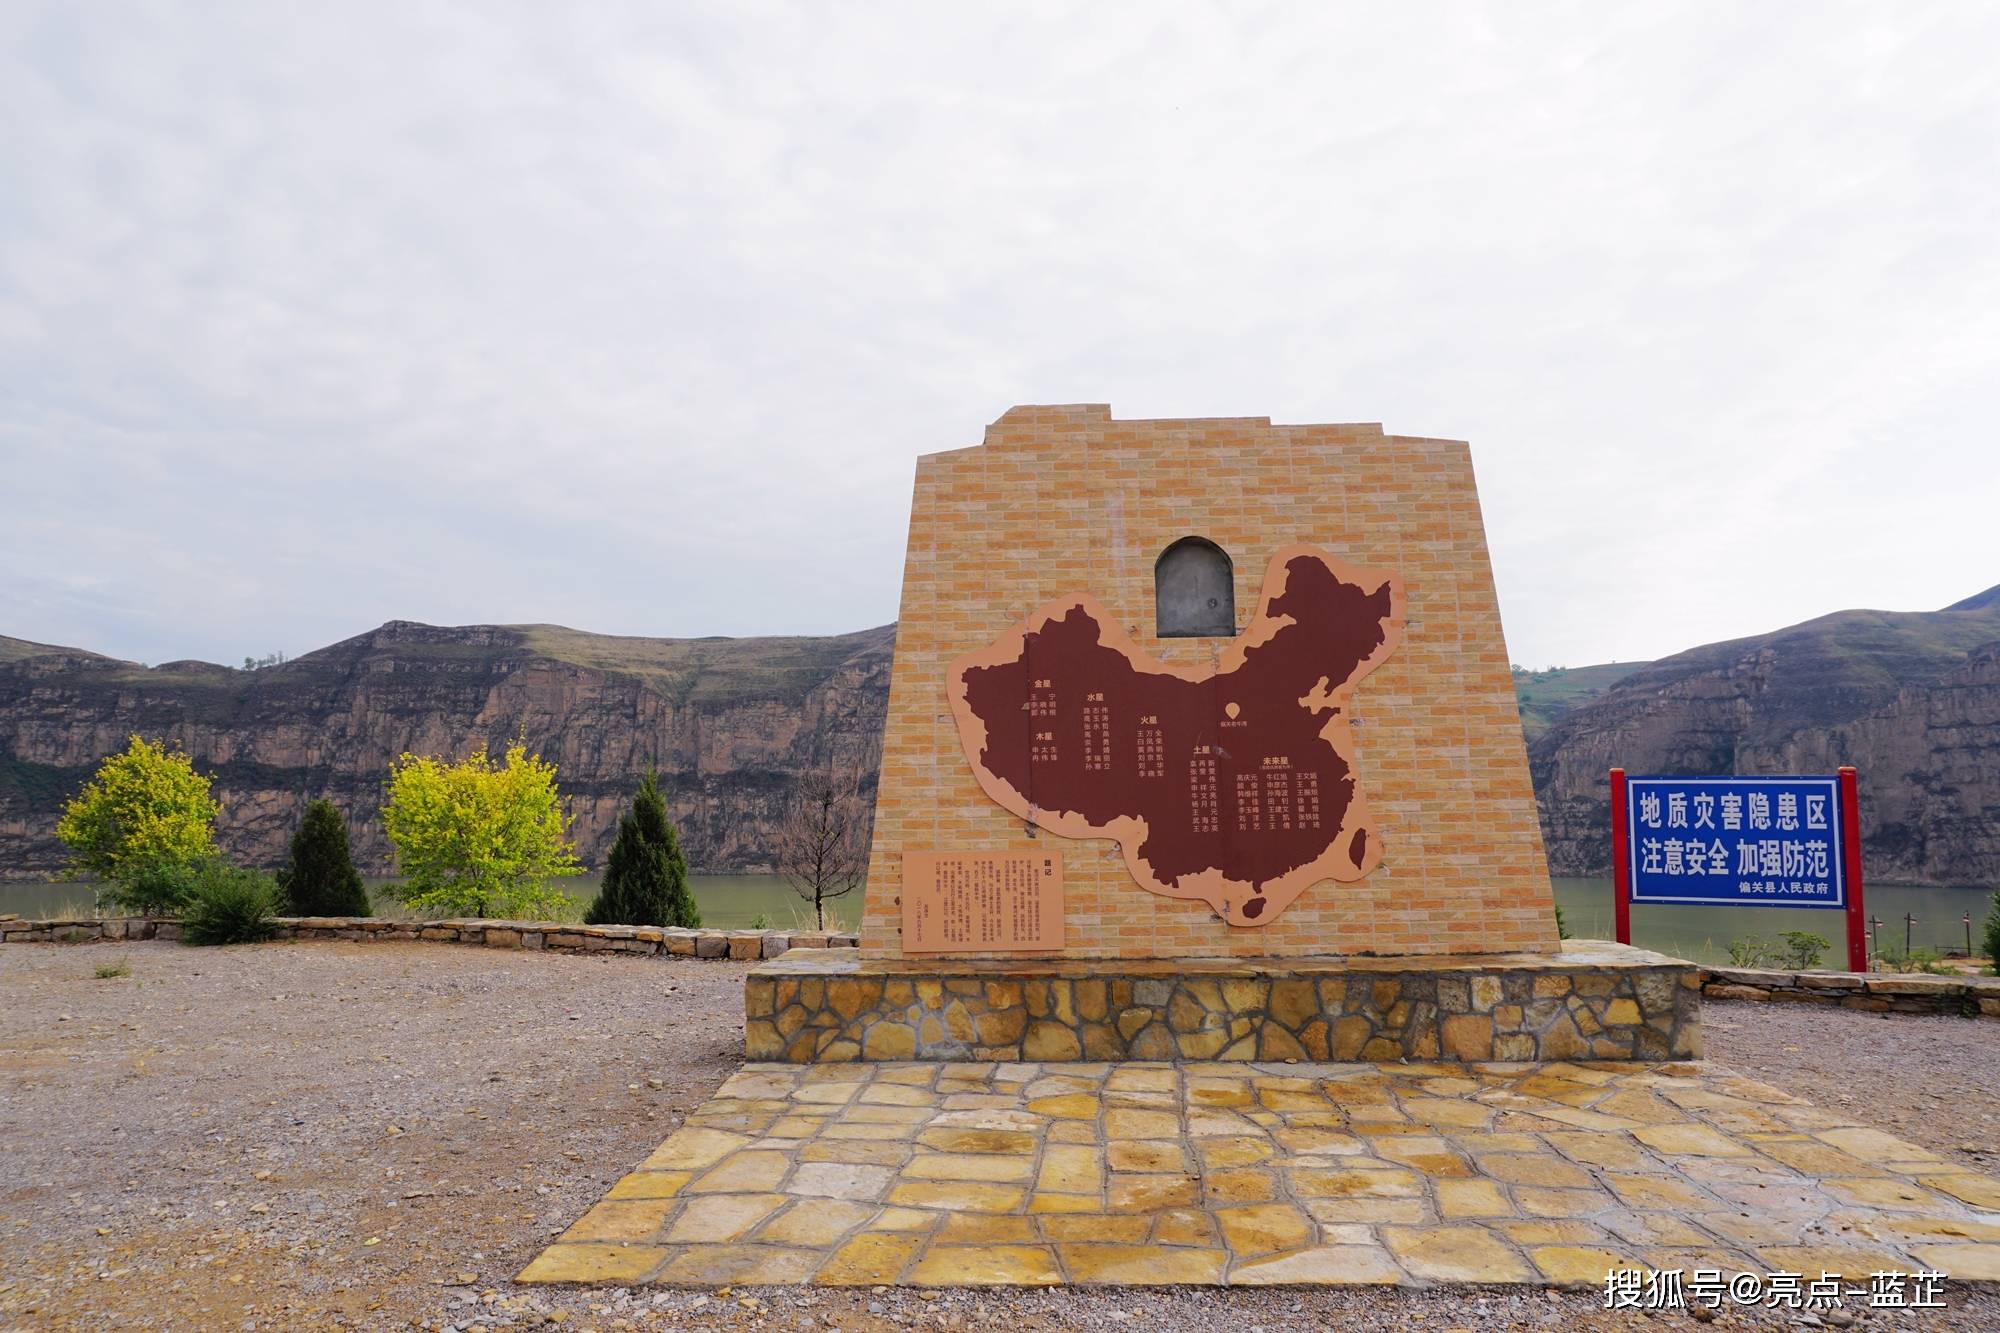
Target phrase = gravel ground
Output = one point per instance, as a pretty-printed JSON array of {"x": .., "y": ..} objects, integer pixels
[
  {"x": 376, "y": 1136},
  {"x": 1932, "y": 1079}
]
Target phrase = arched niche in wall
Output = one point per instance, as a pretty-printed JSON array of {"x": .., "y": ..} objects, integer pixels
[{"x": 1194, "y": 591}]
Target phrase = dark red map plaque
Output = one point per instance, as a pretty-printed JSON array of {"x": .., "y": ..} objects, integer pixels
[{"x": 1232, "y": 784}]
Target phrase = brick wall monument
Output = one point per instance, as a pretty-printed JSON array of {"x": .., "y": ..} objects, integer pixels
[{"x": 1063, "y": 501}]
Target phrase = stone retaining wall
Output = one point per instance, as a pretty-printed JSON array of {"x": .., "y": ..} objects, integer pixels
[
  {"x": 1592, "y": 1001},
  {"x": 1880, "y": 992},
  {"x": 554, "y": 936}
]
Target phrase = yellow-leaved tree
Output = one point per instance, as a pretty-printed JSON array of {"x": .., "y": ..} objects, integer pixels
[
  {"x": 478, "y": 838},
  {"x": 147, "y": 810}
]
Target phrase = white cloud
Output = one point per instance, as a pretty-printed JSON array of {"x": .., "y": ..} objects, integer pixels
[{"x": 633, "y": 317}]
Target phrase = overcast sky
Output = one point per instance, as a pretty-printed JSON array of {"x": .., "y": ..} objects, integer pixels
[{"x": 633, "y": 318}]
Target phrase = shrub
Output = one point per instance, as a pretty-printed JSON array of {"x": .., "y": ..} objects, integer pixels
[
  {"x": 1892, "y": 958},
  {"x": 230, "y": 906},
  {"x": 477, "y": 838},
  {"x": 1930, "y": 960},
  {"x": 525, "y": 902},
  {"x": 1993, "y": 935},
  {"x": 321, "y": 879},
  {"x": 645, "y": 878},
  {"x": 1803, "y": 949},
  {"x": 1794, "y": 951},
  {"x": 145, "y": 807},
  {"x": 160, "y": 889},
  {"x": 1755, "y": 951},
  {"x": 106, "y": 971}
]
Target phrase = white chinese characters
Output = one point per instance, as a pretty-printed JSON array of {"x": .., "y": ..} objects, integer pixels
[{"x": 1734, "y": 840}]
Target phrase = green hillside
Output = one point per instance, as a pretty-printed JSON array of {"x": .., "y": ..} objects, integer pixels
[
  {"x": 19, "y": 650},
  {"x": 712, "y": 670},
  {"x": 1546, "y": 695}
]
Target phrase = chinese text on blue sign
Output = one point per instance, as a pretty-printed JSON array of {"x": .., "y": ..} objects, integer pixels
[{"x": 1764, "y": 842}]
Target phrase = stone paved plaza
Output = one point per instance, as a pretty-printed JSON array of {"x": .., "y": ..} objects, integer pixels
[{"x": 1148, "y": 1173}]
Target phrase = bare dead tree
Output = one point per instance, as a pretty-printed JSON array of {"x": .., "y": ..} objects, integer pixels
[{"x": 822, "y": 848}]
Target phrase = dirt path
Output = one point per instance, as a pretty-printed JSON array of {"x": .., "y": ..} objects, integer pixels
[
  {"x": 377, "y": 1136},
  {"x": 286, "y": 1131}
]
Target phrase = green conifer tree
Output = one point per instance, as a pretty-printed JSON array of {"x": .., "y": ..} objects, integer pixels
[
  {"x": 321, "y": 879},
  {"x": 645, "y": 878},
  {"x": 613, "y": 905}
]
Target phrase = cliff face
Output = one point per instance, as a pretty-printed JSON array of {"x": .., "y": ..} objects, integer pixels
[
  {"x": 1910, "y": 699},
  {"x": 1931, "y": 811},
  {"x": 730, "y": 723}
]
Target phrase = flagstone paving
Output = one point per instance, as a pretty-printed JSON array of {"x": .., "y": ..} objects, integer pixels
[{"x": 944, "y": 1174}]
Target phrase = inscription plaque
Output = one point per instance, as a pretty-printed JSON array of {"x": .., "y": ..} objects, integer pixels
[{"x": 977, "y": 901}]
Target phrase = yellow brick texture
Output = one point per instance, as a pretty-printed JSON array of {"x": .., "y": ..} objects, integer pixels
[{"x": 1060, "y": 500}]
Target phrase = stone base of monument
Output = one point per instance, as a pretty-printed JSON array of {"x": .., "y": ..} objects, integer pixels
[{"x": 1593, "y": 1000}]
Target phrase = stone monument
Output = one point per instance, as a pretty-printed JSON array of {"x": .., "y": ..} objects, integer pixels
[{"x": 1202, "y": 744}]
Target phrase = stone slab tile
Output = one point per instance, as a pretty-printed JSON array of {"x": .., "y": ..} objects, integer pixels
[{"x": 1254, "y": 1173}]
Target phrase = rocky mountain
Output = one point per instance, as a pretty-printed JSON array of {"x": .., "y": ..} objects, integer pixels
[
  {"x": 729, "y": 722},
  {"x": 1911, "y": 699}
]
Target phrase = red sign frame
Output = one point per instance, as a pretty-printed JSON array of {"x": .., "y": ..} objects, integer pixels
[{"x": 1850, "y": 851}]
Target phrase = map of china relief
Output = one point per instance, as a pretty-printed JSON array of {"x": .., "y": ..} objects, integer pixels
[{"x": 1234, "y": 783}]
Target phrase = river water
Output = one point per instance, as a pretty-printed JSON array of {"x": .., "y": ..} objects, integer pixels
[
  {"x": 1701, "y": 934},
  {"x": 733, "y": 902}
]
